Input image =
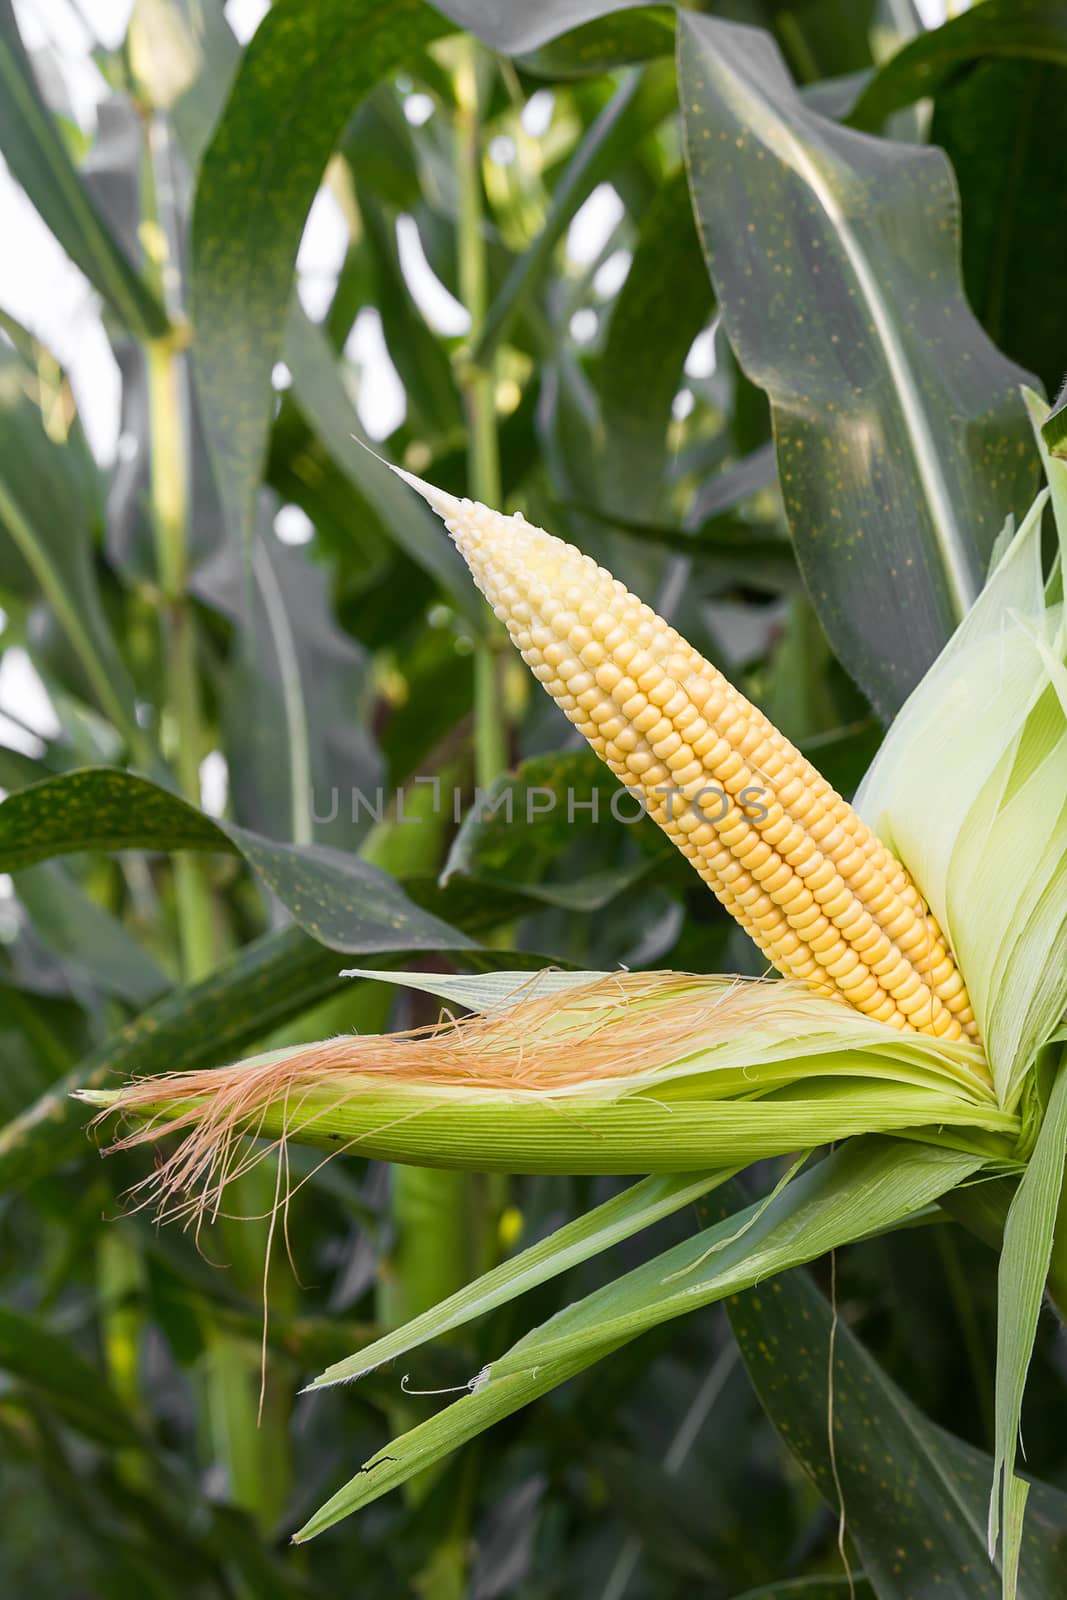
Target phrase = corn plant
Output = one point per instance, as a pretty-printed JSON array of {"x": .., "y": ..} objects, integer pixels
[{"x": 811, "y": 1091}]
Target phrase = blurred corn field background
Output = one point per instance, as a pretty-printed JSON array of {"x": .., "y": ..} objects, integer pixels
[{"x": 608, "y": 265}]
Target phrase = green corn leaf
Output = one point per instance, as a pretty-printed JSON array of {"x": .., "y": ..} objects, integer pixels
[
  {"x": 619, "y": 1218},
  {"x": 648, "y": 338},
  {"x": 635, "y": 109},
  {"x": 867, "y": 1185},
  {"x": 45, "y": 507},
  {"x": 1014, "y": 254},
  {"x": 485, "y": 992},
  {"x": 514, "y": 27},
  {"x": 261, "y": 987},
  {"x": 1014, "y": 30},
  {"x": 725, "y": 552},
  {"x": 1055, "y": 470},
  {"x": 337, "y": 898},
  {"x": 1054, "y": 429},
  {"x": 853, "y": 1587},
  {"x": 37, "y": 157},
  {"x": 212, "y": 53},
  {"x": 526, "y": 833},
  {"x": 900, "y": 435},
  {"x": 298, "y": 82},
  {"x": 295, "y": 698},
  {"x": 618, "y": 40},
  {"x": 326, "y": 404},
  {"x": 89, "y": 940},
  {"x": 1024, "y": 1268},
  {"x": 51, "y": 1366},
  {"x": 420, "y": 358},
  {"x": 915, "y": 1497}
]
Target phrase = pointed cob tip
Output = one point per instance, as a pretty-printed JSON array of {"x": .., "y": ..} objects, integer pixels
[
  {"x": 484, "y": 537},
  {"x": 448, "y": 507},
  {"x": 103, "y": 1098}
]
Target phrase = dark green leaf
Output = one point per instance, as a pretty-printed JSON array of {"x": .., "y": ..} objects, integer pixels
[
  {"x": 90, "y": 940},
  {"x": 1004, "y": 127},
  {"x": 855, "y": 1588},
  {"x": 726, "y": 489},
  {"x": 42, "y": 1034},
  {"x": 648, "y": 338},
  {"x": 1054, "y": 428},
  {"x": 1025, "y": 1258},
  {"x": 554, "y": 831},
  {"x": 337, "y": 898},
  {"x": 297, "y": 748},
  {"x": 17, "y": 769},
  {"x": 52, "y": 1367},
  {"x": 618, "y": 40},
  {"x": 420, "y": 359},
  {"x": 261, "y": 987},
  {"x": 379, "y": 149},
  {"x": 902, "y": 441},
  {"x": 832, "y": 38},
  {"x": 637, "y": 106},
  {"x": 1029, "y": 30},
  {"x": 513, "y": 27},
  {"x": 325, "y": 403},
  {"x": 810, "y": 1215},
  {"x": 915, "y": 1497},
  {"x": 297, "y": 84},
  {"x": 726, "y": 552}
]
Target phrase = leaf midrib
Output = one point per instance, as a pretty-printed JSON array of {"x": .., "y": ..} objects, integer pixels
[{"x": 952, "y": 546}]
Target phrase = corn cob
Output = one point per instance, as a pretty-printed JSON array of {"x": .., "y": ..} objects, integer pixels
[{"x": 816, "y": 890}]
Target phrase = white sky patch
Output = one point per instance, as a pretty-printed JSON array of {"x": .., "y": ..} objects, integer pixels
[
  {"x": 109, "y": 19},
  {"x": 441, "y": 309},
  {"x": 537, "y": 113},
  {"x": 16, "y": 738},
  {"x": 321, "y": 255},
  {"x": 418, "y": 108},
  {"x": 583, "y": 325},
  {"x": 245, "y": 16},
  {"x": 682, "y": 405},
  {"x": 43, "y": 289},
  {"x": 700, "y": 362},
  {"x": 593, "y": 224},
  {"x": 611, "y": 274},
  {"x": 502, "y": 150},
  {"x": 51, "y": 23},
  {"x": 25, "y": 697},
  {"x": 935, "y": 12},
  {"x": 214, "y": 783},
  {"x": 58, "y": 32},
  {"x": 293, "y": 525},
  {"x": 280, "y": 377},
  {"x": 380, "y": 400}
]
